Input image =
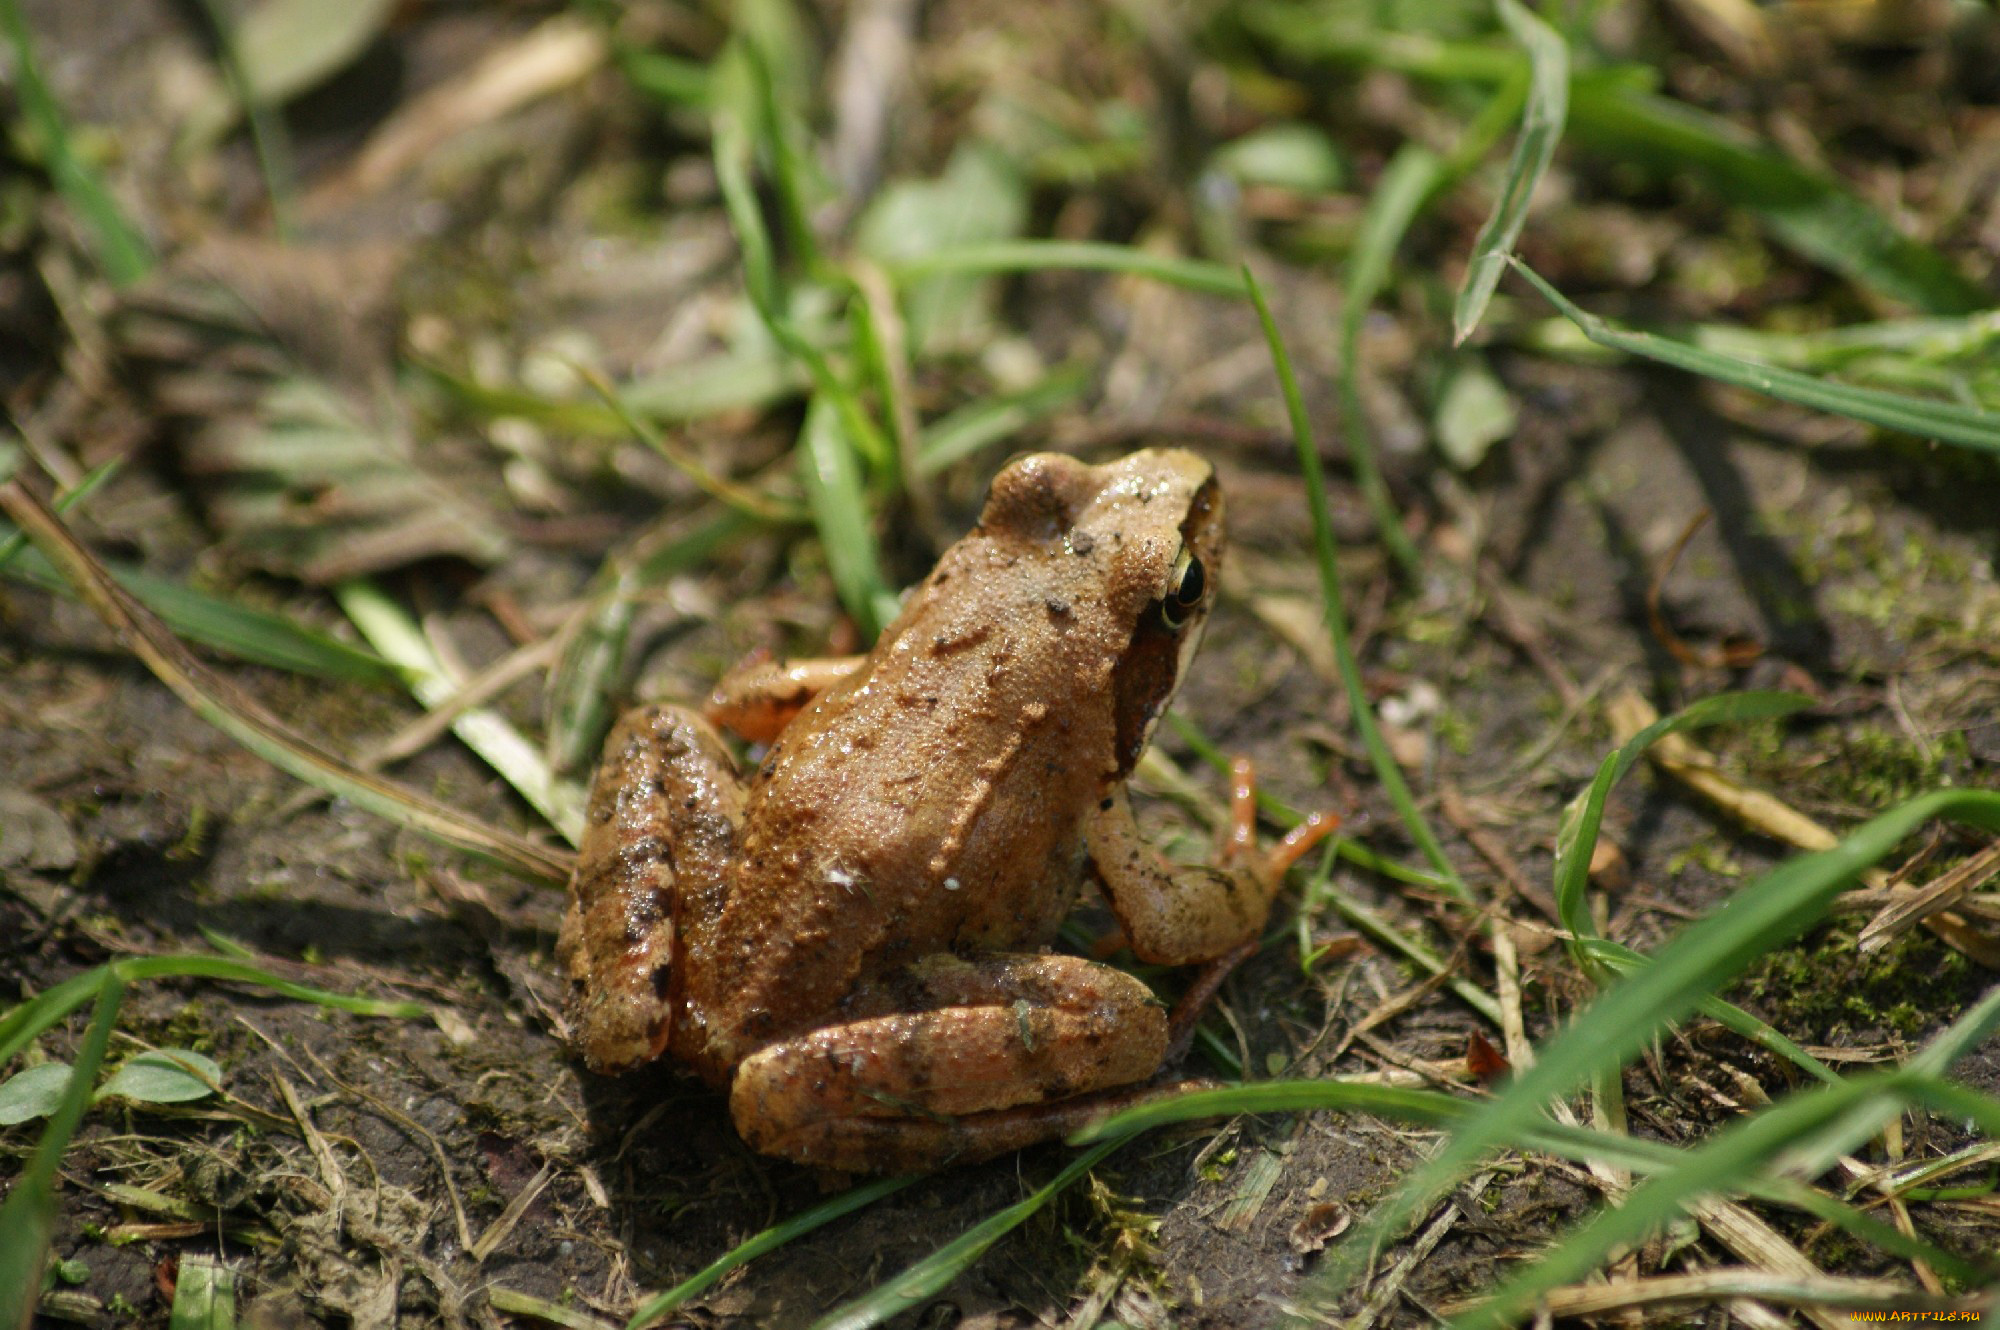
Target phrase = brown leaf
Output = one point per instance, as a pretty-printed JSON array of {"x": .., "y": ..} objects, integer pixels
[
  {"x": 1486, "y": 1063},
  {"x": 276, "y": 363},
  {"x": 1320, "y": 1224}
]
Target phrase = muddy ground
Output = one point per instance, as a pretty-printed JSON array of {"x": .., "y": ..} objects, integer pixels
[{"x": 586, "y": 223}]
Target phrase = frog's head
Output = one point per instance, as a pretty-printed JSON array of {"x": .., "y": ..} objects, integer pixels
[{"x": 1142, "y": 536}]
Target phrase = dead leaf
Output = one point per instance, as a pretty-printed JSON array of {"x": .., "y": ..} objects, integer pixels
[
  {"x": 1320, "y": 1224},
  {"x": 277, "y": 362},
  {"x": 1486, "y": 1063}
]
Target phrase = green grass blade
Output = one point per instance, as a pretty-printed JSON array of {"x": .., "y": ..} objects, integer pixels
[
  {"x": 1788, "y": 1136},
  {"x": 257, "y": 636},
  {"x": 516, "y": 759},
  {"x": 121, "y": 251},
  {"x": 1804, "y": 210},
  {"x": 1625, "y": 961},
  {"x": 1723, "y": 1161},
  {"x": 1959, "y": 1102},
  {"x": 743, "y": 500},
  {"x": 1412, "y": 176},
  {"x": 1614, "y": 112},
  {"x": 832, "y": 477},
  {"x": 43, "y": 1011},
  {"x": 230, "y": 970},
  {"x": 269, "y": 139},
  {"x": 1930, "y": 1063},
  {"x": 988, "y": 420},
  {"x": 1944, "y": 421},
  {"x": 1576, "y": 834},
  {"x": 587, "y": 675},
  {"x": 204, "y": 1296},
  {"x": 938, "y": 1269},
  {"x": 653, "y": 1308},
  {"x": 30, "y": 1019},
  {"x": 1541, "y": 127},
  {"x": 1704, "y": 956},
  {"x": 223, "y": 705},
  {"x": 1006, "y": 256},
  {"x": 28, "y": 1216},
  {"x": 733, "y": 156},
  {"x": 1334, "y": 602},
  {"x": 1581, "y": 1144},
  {"x": 12, "y": 542}
]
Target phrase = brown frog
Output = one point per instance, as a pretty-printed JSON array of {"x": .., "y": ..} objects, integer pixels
[{"x": 851, "y": 940}]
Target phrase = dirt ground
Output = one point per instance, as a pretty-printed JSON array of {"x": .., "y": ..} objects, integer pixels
[{"x": 585, "y": 224}]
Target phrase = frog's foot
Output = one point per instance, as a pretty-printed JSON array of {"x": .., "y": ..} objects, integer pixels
[
  {"x": 659, "y": 833},
  {"x": 1187, "y": 914},
  {"x": 760, "y": 697},
  {"x": 951, "y": 1059}
]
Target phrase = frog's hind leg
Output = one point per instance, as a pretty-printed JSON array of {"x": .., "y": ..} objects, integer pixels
[
  {"x": 950, "y": 1060},
  {"x": 665, "y": 812}
]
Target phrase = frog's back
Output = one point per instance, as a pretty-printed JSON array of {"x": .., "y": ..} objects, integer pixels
[
  {"x": 935, "y": 800},
  {"x": 932, "y": 802}
]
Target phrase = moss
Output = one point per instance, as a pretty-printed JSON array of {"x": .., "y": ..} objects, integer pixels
[
  {"x": 1824, "y": 991},
  {"x": 1876, "y": 767}
]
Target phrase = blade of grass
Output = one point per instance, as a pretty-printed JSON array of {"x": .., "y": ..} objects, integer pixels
[
  {"x": 260, "y": 637},
  {"x": 762, "y": 507},
  {"x": 1713, "y": 1167},
  {"x": 13, "y": 542},
  {"x": 1412, "y": 176},
  {"x": 1614, "y": 111},
  {"x": 32, "y": 1018},
  {"x": 121, "y": 251},
  {"x": 516, "y": 759},
  {"x": 653, "y": 1308},
  {"x": 1576, "y": 833},
  {"x": 593, "y": 658},
  {"x": 730, "y": 381},
  {"x": 222, "y": 705},
  {"x": 733, "y": 153},
  {"x": 28, "y": 1216},
  {"x": 1807, "y": 212},
  {"x": 1583, "y": 1145},
  {"x": 1766, "y": 914},
  {"x": 1541, "y": 127},
  {"x": 942, "y": 1266},
  {"x": 985, "y": 421},
  {"x": 832, "y": 478},
  {"x": 268, "y": 138},
  {"x": 204, "y": 1296},
  {"x": 1739, "y": 1150},
  {"x": 1386, "y": 771},
  {"x": 1004, "y": 256},
  {"x": 1944, "y": 421},
  {"x": 1930, "y": 1062}
]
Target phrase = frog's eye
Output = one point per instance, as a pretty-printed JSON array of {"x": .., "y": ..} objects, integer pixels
[{"x": 1184, "y": 591}]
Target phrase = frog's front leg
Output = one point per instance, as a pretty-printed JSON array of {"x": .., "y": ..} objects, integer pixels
[
  {"x": 651, "y": 878},
  {"x": 1182, "y": 914},
  {"x": 951, "y": 1060},
  {"x": 760, "y": 697}
]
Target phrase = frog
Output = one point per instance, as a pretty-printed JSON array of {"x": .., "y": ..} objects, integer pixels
[{"x": 854, "y": 940}]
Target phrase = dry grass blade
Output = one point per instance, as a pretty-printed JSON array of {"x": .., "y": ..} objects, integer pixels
[
  {"x": 1919, "y": 905},
  {"x": 220, "y": 703},
  {"x": 1724, "y": 1285},
  {"x": 1685, "y": 761},
  {"x": 561, "y": 52}
]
